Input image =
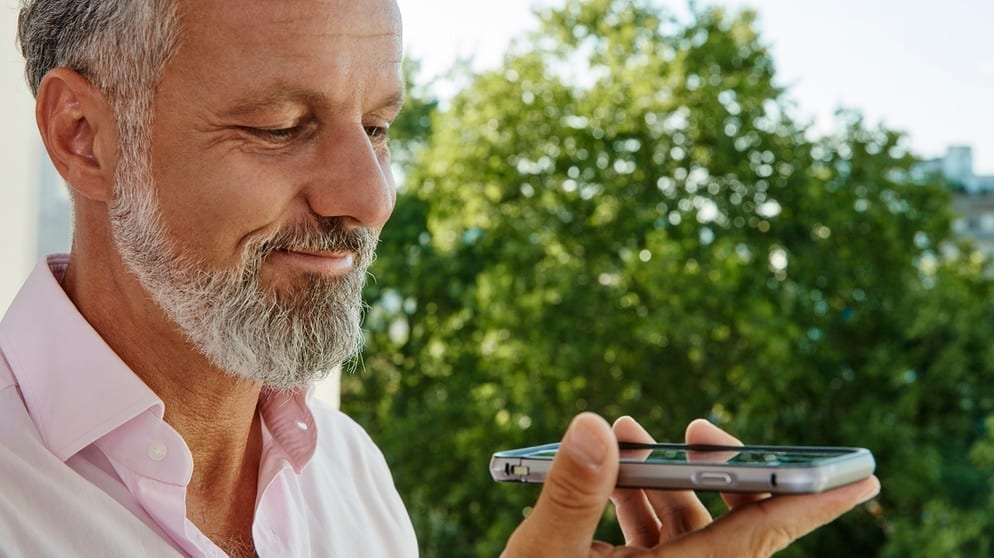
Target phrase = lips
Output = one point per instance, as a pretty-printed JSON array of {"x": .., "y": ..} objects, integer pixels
[
  {"x": 319, "y": 253},
  {"x": 325, "y": 262}
]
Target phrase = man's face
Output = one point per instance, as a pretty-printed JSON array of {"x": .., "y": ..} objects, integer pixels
[{"x": 271, "y": 180}]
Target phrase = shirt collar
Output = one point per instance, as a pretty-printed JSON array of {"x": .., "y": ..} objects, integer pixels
[
  {"x": 288, "y": 418},
  {"x": 77, "y": 389},
  {"x": 74, "y": 386}
]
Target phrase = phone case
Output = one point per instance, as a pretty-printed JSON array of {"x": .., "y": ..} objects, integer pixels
[{"x": 822, "y": 468}]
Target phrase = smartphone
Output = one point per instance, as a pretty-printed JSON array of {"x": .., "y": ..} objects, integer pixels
[{"x": 773, "y": 469}]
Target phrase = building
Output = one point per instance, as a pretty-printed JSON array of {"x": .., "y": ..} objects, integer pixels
[
  {"x": 973, "y": 194},
  {"x": 957, "y": 167}
]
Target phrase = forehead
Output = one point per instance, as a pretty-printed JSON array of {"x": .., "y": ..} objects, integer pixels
[
  {"x": 354, "y": 18},
  {"x": 287, "y": 39}
]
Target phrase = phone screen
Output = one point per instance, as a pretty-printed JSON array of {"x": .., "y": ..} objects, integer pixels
[{"x": 760, "y": 456}]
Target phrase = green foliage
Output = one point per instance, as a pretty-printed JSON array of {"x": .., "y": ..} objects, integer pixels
[
  {"x": 626, "y": 218},
  {"x": 413, "y": 125}
]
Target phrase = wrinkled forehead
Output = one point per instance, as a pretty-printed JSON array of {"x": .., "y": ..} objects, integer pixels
[
  {"x": 282, "y": 20},
  {"x": 342, "y": 49}
]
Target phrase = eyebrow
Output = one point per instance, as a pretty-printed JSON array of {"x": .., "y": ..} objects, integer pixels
[
  {"x": 281, "y": 97},
  {"x": 394, "y": 101},
  {"x": 277, "y": 97}
]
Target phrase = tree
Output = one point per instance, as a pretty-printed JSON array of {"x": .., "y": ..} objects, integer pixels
[{"x": 626, "y": 217}]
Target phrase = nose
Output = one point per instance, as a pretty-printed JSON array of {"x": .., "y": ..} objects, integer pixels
[{"x": 353, "y": 179}]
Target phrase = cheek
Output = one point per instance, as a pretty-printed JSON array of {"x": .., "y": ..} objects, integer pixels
[{"x": 212, "y": 205}]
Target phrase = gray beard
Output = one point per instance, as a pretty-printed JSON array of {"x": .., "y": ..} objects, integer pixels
[{"x": 281, "y": 340}]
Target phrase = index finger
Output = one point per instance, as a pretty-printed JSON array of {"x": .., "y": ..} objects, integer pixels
[
  {"x": 767, "y": 526},
  {"x": 650, "y": 516},
  {"x": 701, "y": 431}
]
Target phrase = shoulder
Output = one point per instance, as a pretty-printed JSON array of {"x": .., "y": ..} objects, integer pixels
[
  {"x": 48, "y": 509},
  {"x": 339, "y": 422},
  {"x": 342, "y": 438},
  {"x": 350, "y": 468}
]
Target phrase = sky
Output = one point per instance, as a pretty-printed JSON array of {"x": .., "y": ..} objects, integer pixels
[{"x": 921, "y": 66}]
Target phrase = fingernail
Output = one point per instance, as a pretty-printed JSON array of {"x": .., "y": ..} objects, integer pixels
[{"x": 587, "y": 449}]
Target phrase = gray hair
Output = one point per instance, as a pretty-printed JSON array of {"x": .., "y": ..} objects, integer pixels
[{"x": 121, "y": 46}]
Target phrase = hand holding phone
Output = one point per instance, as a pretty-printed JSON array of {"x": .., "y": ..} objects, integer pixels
[{"x": 661, "y": 522}]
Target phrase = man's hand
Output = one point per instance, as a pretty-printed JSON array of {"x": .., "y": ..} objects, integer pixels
[{"x": 656, "y": 522}]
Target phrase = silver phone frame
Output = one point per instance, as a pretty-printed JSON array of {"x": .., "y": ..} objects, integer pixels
[{"x": 853, "y": 465}]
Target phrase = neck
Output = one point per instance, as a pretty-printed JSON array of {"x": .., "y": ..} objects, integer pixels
[{"x": 214, "y": 412}]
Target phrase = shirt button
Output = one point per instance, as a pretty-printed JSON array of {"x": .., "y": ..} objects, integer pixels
[
  {"x": 157, "y": 451},
  {"x": 301, "y": 425}
]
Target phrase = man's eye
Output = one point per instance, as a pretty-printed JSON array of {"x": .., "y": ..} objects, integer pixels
[
  {"x": 377, "y": 132},
  {"x": 274, "y": 135},
  {"x": 278, "y": 133}
]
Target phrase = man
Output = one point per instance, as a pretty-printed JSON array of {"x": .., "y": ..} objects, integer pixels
[{"x": 229, "y": 171}]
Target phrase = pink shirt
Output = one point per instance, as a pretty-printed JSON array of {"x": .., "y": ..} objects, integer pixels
[{"x": 89, "y": 468}]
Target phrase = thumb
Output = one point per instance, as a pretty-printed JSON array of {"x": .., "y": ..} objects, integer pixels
[{"x": 574, "y": 496}]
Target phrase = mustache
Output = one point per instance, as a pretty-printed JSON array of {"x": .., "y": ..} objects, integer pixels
[{"x": 329, "y": 234}]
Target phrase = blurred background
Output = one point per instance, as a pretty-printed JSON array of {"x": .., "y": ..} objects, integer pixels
[{"x": 773, "y": 214}]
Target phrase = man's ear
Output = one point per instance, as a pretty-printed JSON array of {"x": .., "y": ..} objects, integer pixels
[{"x": 79, "y": 130}]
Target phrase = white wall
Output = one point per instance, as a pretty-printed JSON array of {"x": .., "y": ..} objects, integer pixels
[{"x": 19, "y": 163}]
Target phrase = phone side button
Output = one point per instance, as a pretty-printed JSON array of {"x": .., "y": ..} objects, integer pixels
[{"x": 712, "y": 479}]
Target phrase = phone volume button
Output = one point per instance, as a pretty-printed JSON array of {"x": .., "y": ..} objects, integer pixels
[{"x": 713, "y": 479}]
